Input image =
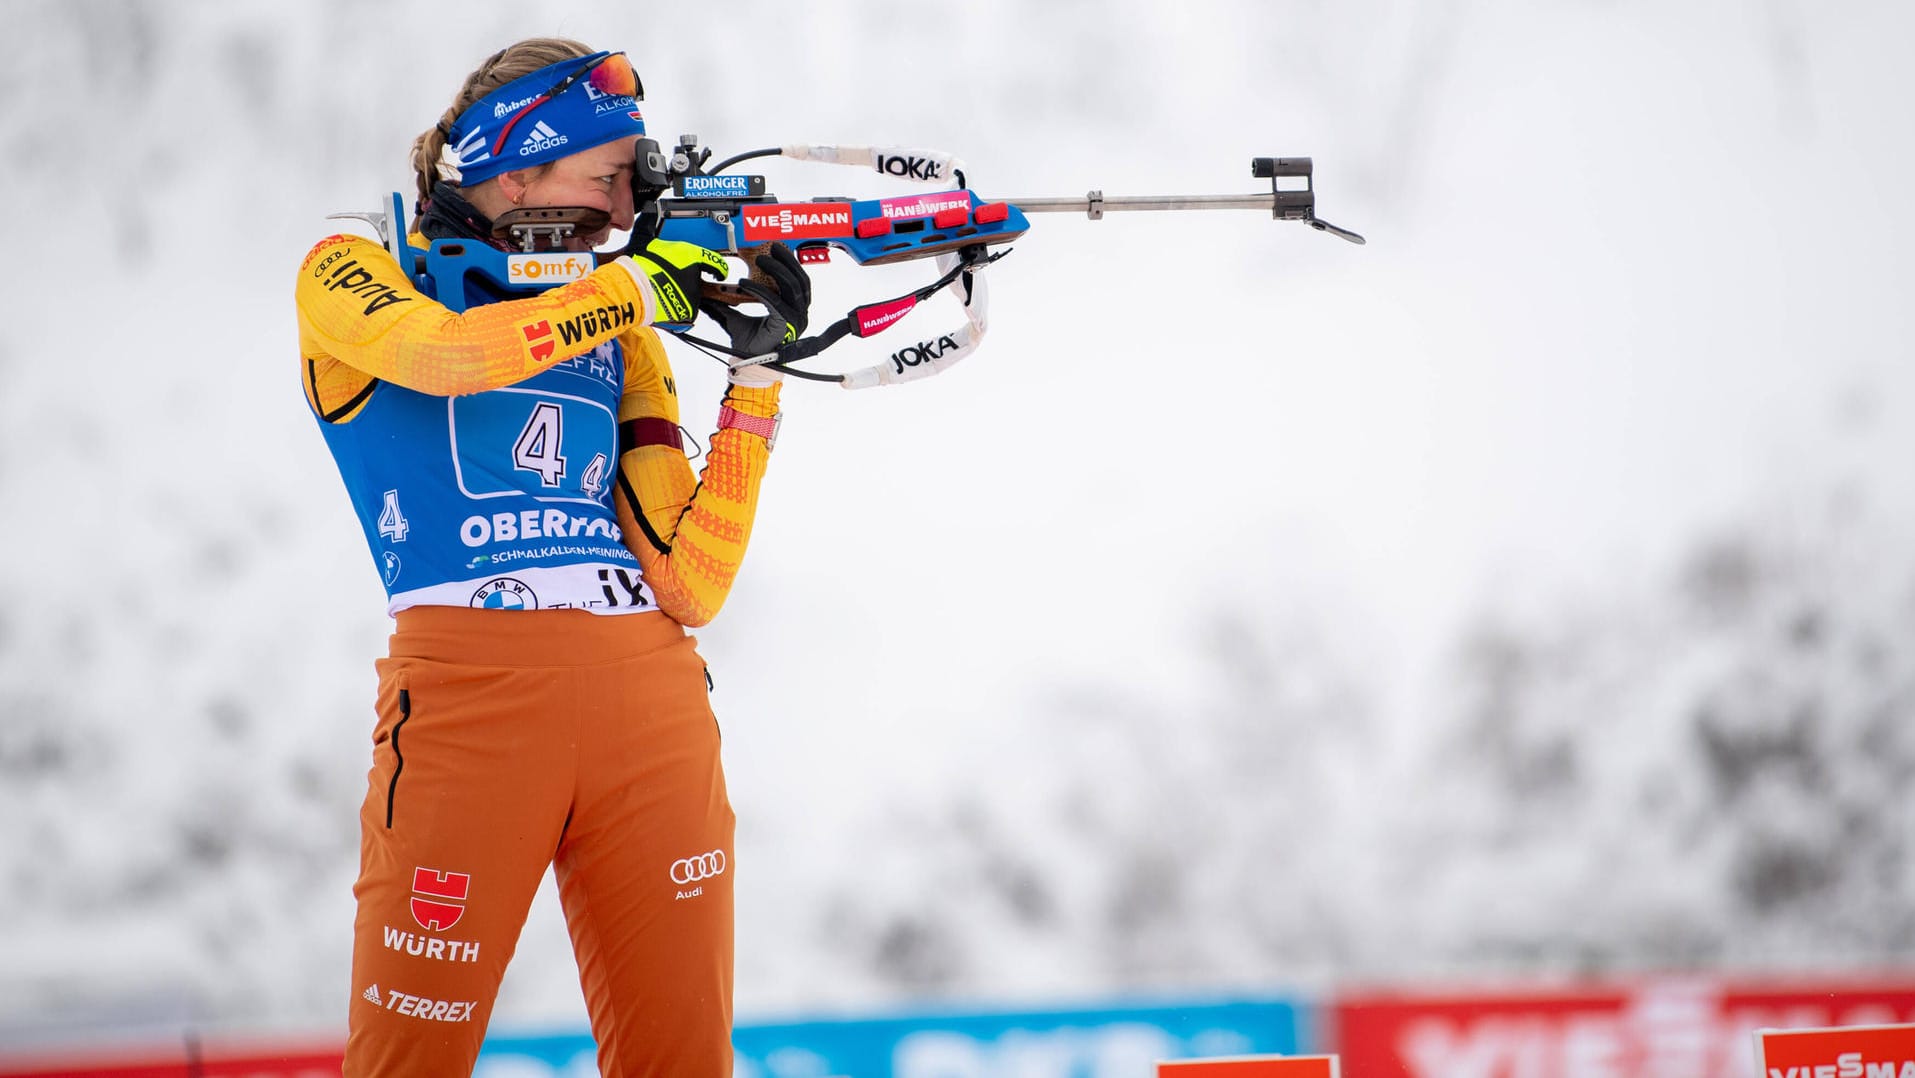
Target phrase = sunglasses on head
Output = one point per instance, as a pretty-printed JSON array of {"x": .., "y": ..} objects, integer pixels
[{"x": 612, "y": 76}]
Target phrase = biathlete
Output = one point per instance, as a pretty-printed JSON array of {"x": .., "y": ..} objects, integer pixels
[{"x": 518, "y": 472}]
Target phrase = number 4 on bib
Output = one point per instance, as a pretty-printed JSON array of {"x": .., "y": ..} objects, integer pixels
[
  {"x": 392, "y": 523},
  {"x": 537, "y": 449},
  {"x": 594, "y": 478}
]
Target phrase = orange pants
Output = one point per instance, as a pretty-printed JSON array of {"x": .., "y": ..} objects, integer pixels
[{"x": 510, "y": 740}]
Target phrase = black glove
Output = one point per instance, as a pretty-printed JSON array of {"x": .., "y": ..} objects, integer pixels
[{"x": 787, "y": 303}]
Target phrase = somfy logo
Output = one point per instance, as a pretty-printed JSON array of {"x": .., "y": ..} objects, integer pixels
[
  {"x": 702, "y": 867},
  {"x": 546, "y": 267}
]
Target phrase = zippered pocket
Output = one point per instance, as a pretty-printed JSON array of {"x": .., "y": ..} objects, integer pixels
[{"x": 398, "y": 756}]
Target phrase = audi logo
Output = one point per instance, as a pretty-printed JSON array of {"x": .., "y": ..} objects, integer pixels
[{"x": 702, "y": 867}]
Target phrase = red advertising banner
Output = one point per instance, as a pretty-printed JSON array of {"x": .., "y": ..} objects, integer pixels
[
  {"x": 1252, "y": 1067},
  {"x": 1657, "y": 1028},
  {"x": 304, "y": 1060},
  {"x": 796, "y": 220},
  {"x": 1847, "y": 1052}
]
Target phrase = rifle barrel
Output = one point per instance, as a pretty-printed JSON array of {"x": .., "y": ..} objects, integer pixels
[
  {"x": 1112, "y": 203},
  {"x": 1284, "y": 205}
]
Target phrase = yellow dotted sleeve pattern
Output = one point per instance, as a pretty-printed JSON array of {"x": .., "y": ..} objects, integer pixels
[
  {"x": 689, "y": 533},
  {"x": 361, "y": 321}
]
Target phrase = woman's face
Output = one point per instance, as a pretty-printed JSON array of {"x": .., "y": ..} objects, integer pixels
[{"x": 599, "y": 178}]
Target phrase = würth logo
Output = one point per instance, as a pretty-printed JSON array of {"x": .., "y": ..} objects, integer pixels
[
  {"x": 447, "y": 894},
  {"x": 538, "y": 340}
]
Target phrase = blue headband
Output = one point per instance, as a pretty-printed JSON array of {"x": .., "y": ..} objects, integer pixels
[{"x": 580, "y": 117}]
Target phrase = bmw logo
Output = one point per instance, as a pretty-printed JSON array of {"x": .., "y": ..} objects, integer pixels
[{"x": 505, "y": 593}]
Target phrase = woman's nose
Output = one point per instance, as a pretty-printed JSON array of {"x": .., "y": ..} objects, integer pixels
[{"x": 624, "y": 212}]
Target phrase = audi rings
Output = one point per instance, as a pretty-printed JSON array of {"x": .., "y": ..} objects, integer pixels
[{"x": 703, "y": 867}]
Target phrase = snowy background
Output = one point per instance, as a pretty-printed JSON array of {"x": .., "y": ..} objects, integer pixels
[{"x": 1530, "y": 592}]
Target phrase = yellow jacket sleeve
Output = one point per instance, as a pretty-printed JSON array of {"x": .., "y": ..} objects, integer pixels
[
  {"x": 689, "y": 534},
  {"x": 361, "y": 319}
]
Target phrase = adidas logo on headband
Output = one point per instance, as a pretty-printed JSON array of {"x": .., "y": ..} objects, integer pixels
[{"x": 541, "y": 139}]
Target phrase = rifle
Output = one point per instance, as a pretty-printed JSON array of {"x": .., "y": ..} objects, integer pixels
[{"x": 677, "y": 197}]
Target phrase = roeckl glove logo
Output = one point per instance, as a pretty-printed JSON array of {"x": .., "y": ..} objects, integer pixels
[{"x": 672, "y": 304}]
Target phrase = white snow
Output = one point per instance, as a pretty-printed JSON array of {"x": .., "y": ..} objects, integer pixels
[{"x": 1528, "y": 591}]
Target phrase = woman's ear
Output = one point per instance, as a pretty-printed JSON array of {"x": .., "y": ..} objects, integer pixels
[{"x": 513, "y": 184}]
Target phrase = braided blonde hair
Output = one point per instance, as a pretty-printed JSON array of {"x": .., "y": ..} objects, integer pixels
[{"x": 512, "y": 62}]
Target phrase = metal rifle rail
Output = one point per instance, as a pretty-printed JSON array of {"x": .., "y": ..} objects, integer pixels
[
  {"x": 1095, "y": 204},
  {"x": 1295, "y": 203}
]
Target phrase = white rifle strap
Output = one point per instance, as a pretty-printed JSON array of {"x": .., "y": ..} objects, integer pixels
[
  {"x": 921, "y": 166},
  {"x": 925, "y": 358}
]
